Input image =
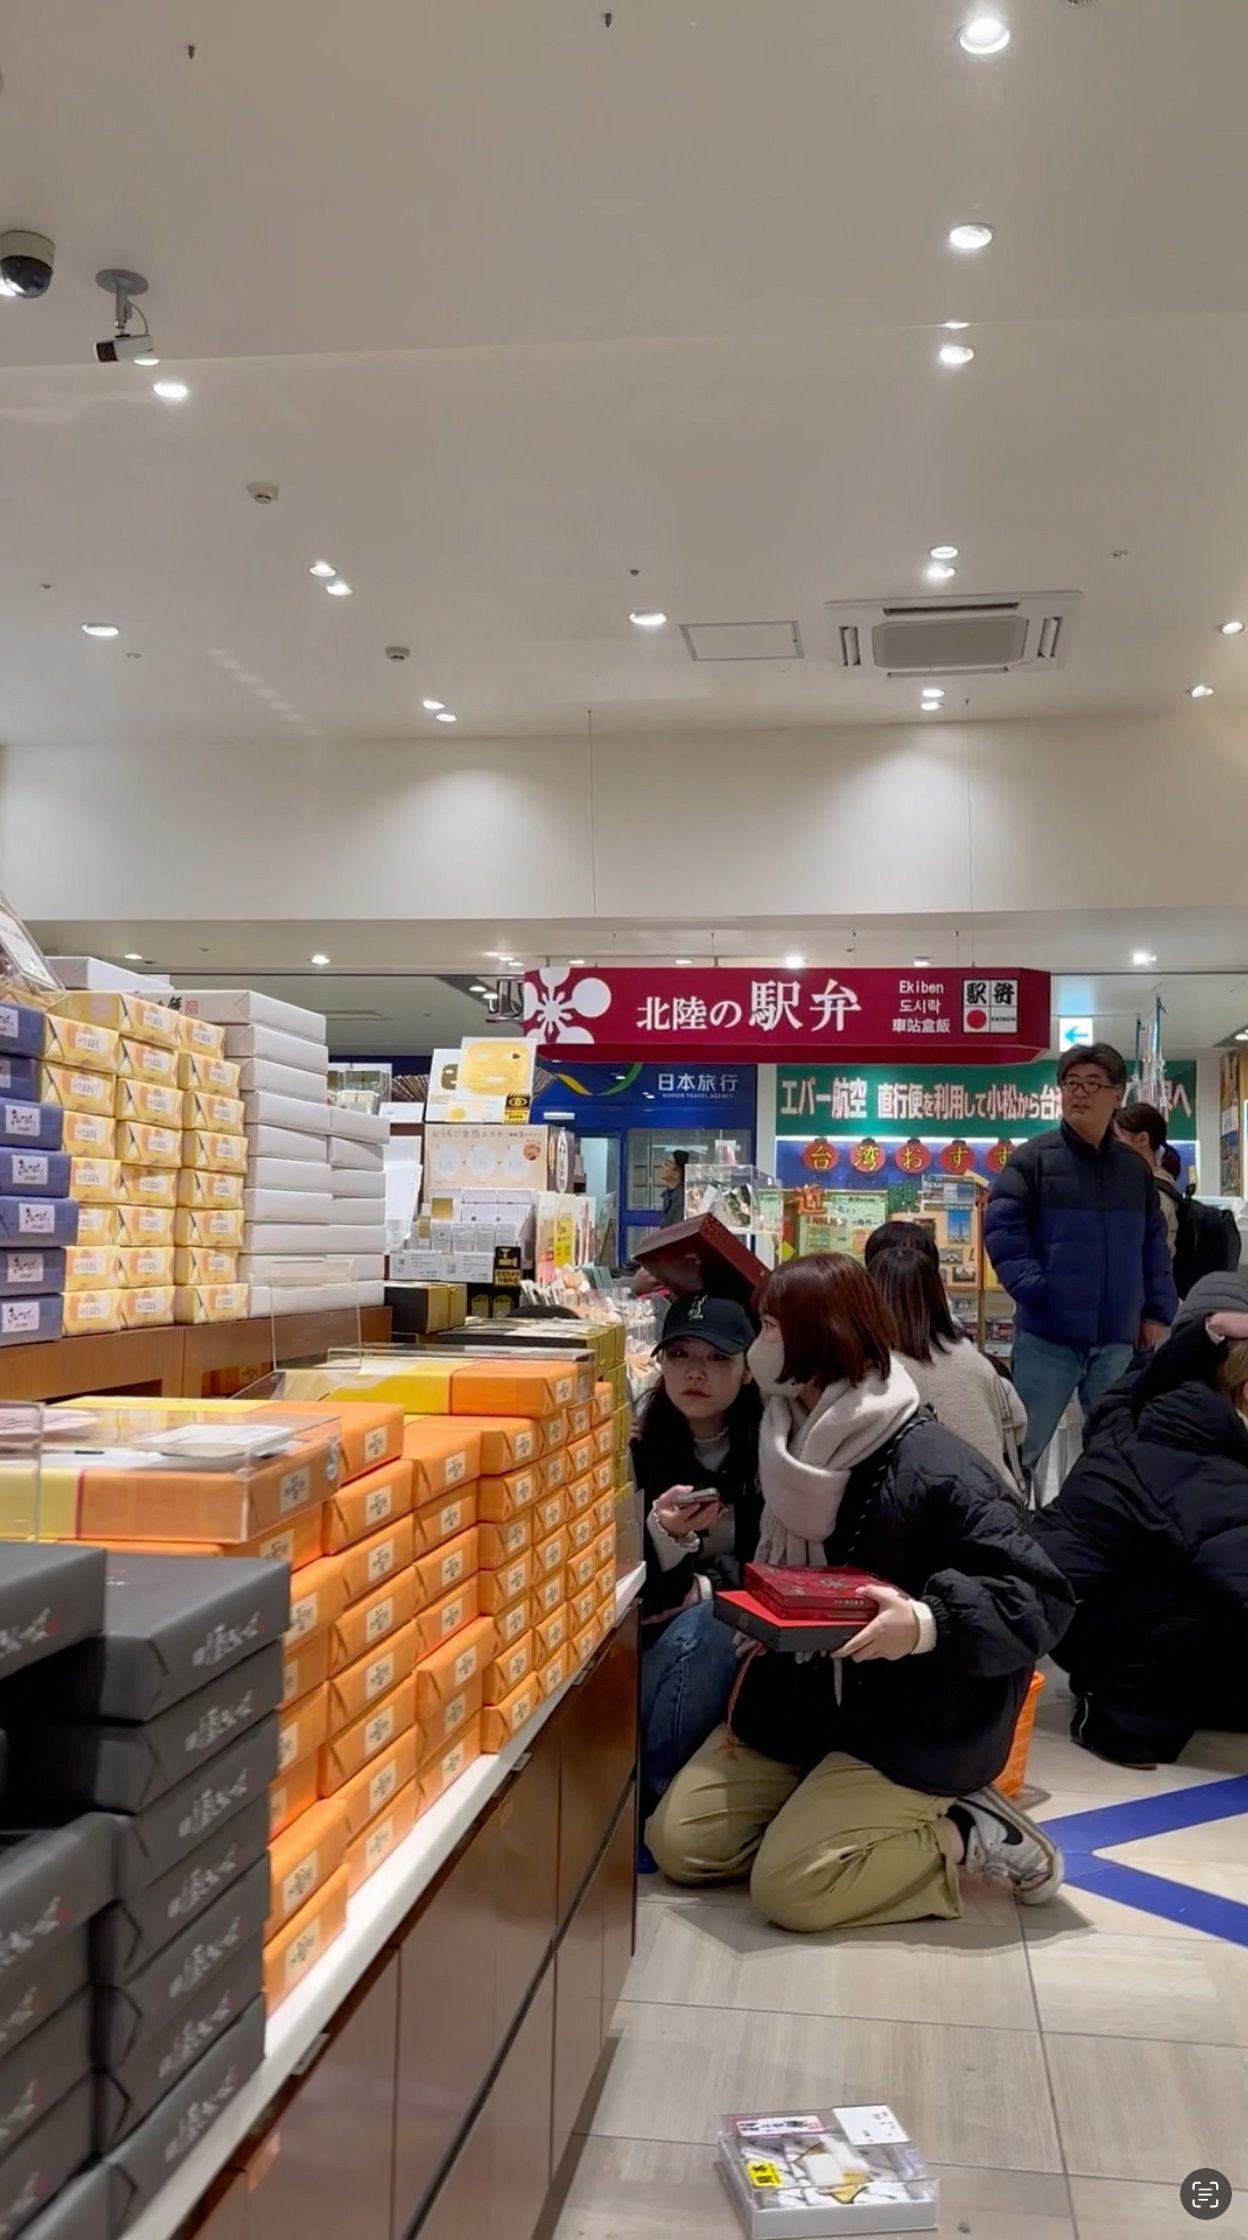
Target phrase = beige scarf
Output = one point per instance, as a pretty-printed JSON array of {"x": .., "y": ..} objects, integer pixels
[{"x": 804, "y": 1460}]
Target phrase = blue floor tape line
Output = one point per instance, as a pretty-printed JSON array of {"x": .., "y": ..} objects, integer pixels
[
  {"x": 1168, "y": 1901},
  {"x": 1152, "y": 1816}
]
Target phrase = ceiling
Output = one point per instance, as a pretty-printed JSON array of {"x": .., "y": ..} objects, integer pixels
[{"x": 509, "y": 305}]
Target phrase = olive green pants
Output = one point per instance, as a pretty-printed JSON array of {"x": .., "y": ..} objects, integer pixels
[{"x": 844, "y": 1848}]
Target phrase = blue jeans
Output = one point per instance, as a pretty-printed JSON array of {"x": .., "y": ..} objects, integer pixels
[
  {"x": 1047, "y": 1376},
  {"x": 687, "y": 1672}
]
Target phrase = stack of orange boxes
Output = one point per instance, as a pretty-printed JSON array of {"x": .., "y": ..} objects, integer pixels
[
  {"x": 454, "y": 1635},
  {"x": 208, "y": 1221},
  {"x": 120, "y": 1273}
]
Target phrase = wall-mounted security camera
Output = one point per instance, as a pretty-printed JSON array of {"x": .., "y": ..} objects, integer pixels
[
  {"x": 124, "y": 347},
  {"x": 26, "y": 261},
  {"x": 126, "y": 350}
]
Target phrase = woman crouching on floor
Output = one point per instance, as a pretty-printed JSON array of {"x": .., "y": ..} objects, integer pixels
[{"x": 852, "y": 1788}]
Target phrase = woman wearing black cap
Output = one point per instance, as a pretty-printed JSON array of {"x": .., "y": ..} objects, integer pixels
[{"x": 695, "y": 1458}]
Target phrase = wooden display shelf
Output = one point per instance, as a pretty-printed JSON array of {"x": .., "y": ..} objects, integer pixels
[{"x": 178, "y": 1359}]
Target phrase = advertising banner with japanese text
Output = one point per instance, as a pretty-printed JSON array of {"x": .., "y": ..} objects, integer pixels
[{"x": 750, "y": 1013}]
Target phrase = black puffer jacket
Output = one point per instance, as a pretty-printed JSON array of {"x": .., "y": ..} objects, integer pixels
[
  {"x": 1160, "y": 1498},
  {"x": 927, "y": 1513}
]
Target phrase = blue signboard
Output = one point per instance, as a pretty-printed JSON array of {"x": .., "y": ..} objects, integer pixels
[{"x": 605, "y": 1099}]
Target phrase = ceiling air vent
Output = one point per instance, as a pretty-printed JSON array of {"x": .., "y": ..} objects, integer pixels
[
  {"x": 742, "y": 641},
  {"x": 953, "y": 637}
]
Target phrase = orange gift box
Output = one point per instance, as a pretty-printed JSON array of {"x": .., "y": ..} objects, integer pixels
[
  {"x": 297, "y": 1543},
  {"x": 582, "y": 1568},
  {"x": 498, "y": 1588},
  {"x": 305, "y": 1666},
  {"x": 363, "y": 1507},
  {"x": 298, "y": 1946},
  {"x": 292, "y": 1796},
  {"x": 437, "y": 1777},
  {"x": 553, "y": 1469},
  {"x": 441, "y": 1729},
  {"x": 604, "y": 1441},
  {"x": 513, "y": 1621},
  {"x": 443, "y": 1519},
  {"x": 441, "y": 1621},
  {"x": 580, "y": 1419},
  {"x": 346, "y": 1754},
  {"x": 498, "y": 1543},
  {"x": 584, "y": 1644},
  {"x": 580, "y": 1532},
  {"x": 318, "y": 1597},
  {"x": 501, "y": 1721},
  {"x": 371, "y": 1677},
  {"x": 508, "y": 1670},
  {"x": 181, "y": 1505},
  {"x": 446, "y": 1567},
  {"x": 452, "y": 1668},
  {"x": 364, "y": 1626},
  {"x": 580, "y": 1457},
  {"x": 506, "y": 1441},
  {"x": 370, "y": 1432},
  {"x": 513, "y": 1387},
  {"x": 442, "y": 1455},
  {"x": 603, "y": 1403},
  {"x": 378, "y": 1782},
  {"x": 555, "y": 1671},
  {"x": 302, "y": 1728},
  {"x": 554, "y": 1432},
  {"x": 550, "y": 1555},
  {"x": 604, "y": 1477},
  {"x": 583, "y": 1606},
  {"x": 553, "y": 1590},
  {"x": 371, "y": 1562},
  {"x": 375, "y": 1844},
  {"x": 550, "y": 1633},
  {"x": 302, "y": 1858},
  {"x": 499, "y": 1499},
  {"x": 604, "y": 1582},
  {"x": 549, "y": 1514},
  {"x": 604, "y": 1549},
  {"x": 604, "y": 1514},
  {"x": 580, "y": 1495}
]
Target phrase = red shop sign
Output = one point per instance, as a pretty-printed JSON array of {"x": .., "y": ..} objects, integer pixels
[{"x": 748, "y": 1013}]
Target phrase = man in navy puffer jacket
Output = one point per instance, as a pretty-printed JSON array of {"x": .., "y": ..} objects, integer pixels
[{"x": 1075, "y": 1233}]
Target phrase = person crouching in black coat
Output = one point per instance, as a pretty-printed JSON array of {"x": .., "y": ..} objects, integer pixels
[{"x": 1151, "y": 1530}]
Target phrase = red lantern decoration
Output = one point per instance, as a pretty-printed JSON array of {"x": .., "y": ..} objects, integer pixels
[
  {"x": 998, "y": 1155},
  {"x": 866, "y": 1157},
  {"x": 957, "y": 1157},
  {"x": 914, "y": 1157},
  {"x": 820, "y": 1156}
]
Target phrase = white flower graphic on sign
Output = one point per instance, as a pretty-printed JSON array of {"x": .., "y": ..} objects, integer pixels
[{"x": 554, "y": 1003}]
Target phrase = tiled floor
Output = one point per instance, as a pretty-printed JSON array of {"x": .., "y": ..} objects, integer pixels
[{"x": 1065, "y": 2068}]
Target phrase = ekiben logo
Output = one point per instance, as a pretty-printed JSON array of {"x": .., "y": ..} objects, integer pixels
[{"x": 1205, "y": 2195}]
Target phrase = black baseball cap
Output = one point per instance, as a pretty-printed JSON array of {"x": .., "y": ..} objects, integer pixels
[{"x": 721, "y": 1323}]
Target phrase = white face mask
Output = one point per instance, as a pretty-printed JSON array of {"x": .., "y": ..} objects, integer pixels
[{"x": 765, "y": 1361}]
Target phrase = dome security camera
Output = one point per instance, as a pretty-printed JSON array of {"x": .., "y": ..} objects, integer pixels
[{"x": 26, "y": 261}]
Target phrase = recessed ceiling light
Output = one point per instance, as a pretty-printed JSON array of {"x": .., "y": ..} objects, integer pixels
[
  {"x": 1242, "y": 1036},
  {"x": 171, "y": 392},
  {"x": 794, "y": 963},
  {"x": 647, "y": 618},
  {"x": 318, "y": 957},
  {"x": 944, "y": 552},
  {"x": 933, "y": 692},
  {"x": 1230, "y": 629},
  {"x": 1143, "y": 956},
  {"x": 339, "y": 588},
  {"x": 576, "y": 961},
  {"x": 1200, "y": 692},
  {"x": 133, "y": 956},
  {"x": 956, "y": 326},
  {"x": 956, "y": 353},
  {"x": 478, "y": 988},
  {"x": 435, "y": 707},
  {"x": 939, "y": 571},
  {"x": 920, "y": 961},
  {"x": 323, "y": 568},
  {"x": 984, "y": 35},
  {"x": 444, "y": 716},
  {"x": 101, "y": 630},
  {"x": 684, "y": 962},
  {"x": 969, "y": 238}
]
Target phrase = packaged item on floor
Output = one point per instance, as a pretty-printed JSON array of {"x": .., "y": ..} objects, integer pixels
[
  {"x": 45, "y": 2158},
  {"x": 155, "y": 2149},
  {"x": 153, "y": 1842},
  {"x": 43, "y": 1220},
  {"x": 201, "y": 1069},
  {"x": 381, "y": 1838},
  {"x": 300, "y": 1943},
  {"x": 29, "y": 1126},
  {"x": 502, "y": 1721},
  {"x": 231, "y": 1007},
  {"x": 379, "y": 1782},
  {"x": 442, "y": 1620},
  {"x": 846, "y": 2170},
  {"x": 147, "y": 1103},
  {"x": 124, "y": 1766},
  {"x": 122, "y": 1012},
  {"x": 141, "y": 1306},
  {"x": 167, "y": 1626},
  {"x": 129, "y": 2089},
  {"x": 130, "y": 2014},
  {"x": 38, "y": 1174},
  {"x": 30, "y": 1321},
  {"x": 126, "y": 1935},
  {"x": 292, "y": 1796},
  {"x": 210, "y": 1302},
  {"x": 80, "y": 1046},
  {"x": 208, "y": 1229},
  {"x": 303, "y": 1859},
  {"x": 52, "y": 1881},
  {"x": 442, "y": 1772},
  {"x": 51, "y": 1598},
  {"x": 354, "y": 1690},
  {"x": 202, "y": 1188},
  {"x": 302, "y": 1728},
  {"x": 443, "y": 1520}
]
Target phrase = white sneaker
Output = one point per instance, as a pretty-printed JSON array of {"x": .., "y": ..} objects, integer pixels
[{"x": 1005, "y": 1846}]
